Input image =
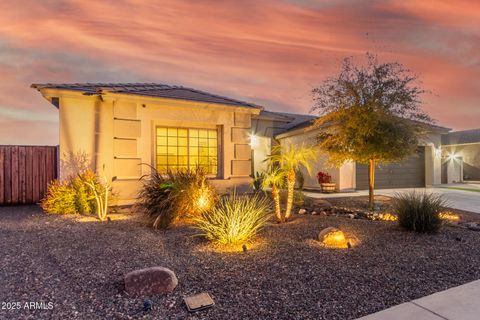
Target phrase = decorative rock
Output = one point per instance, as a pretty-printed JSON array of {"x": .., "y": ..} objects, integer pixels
[
  {"x": 333, "y": 237},
  {"x": 302, "y": 211},
  {"x": 314, "y": 213},
  {"x": 150, "y": 281},
  {"x": 323, "y": 204},
  {"x": 351, "y": 216}
]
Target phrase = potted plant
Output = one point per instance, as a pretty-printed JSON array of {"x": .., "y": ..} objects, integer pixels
[{"x": 325, "y": 181}]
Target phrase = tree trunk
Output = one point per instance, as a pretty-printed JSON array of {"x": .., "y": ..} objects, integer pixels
[
  {"x": 276, "y": 200},
  {"x": 290, "y": 187},
  {"x": 371, "y": 183}
]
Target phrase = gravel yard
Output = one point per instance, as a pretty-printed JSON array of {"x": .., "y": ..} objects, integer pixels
[{"x": 79, "y": 266}]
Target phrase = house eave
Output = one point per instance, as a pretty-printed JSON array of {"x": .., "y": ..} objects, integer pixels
[{"x": 49, "y": 93}]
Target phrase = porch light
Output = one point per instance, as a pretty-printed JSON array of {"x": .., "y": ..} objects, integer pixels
[
  {"x": 452, "y": 156},
  {"x": 253, "y": 140}
]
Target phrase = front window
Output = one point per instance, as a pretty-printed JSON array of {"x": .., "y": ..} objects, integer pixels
[{"x": 185, "y": 148}]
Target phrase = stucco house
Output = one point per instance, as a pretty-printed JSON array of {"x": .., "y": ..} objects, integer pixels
[{"x": 122, "y": 126}]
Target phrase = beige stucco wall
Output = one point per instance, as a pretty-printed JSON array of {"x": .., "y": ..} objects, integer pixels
[
  {"x": 261, "y": 143},
  {"x": 118, "y": 133},
  {"x": 308, "y": 138}
]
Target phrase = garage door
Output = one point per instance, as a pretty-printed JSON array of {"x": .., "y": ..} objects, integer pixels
[{"x": 409, "y": 173}]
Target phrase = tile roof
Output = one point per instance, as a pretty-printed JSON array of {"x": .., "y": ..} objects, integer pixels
[
  {"x": 291, "y": 119},
  {"x": 461, "y": 137},
  {"x": 147, "y": 89}
]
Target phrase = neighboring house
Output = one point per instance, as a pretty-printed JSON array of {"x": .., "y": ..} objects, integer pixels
[
  {"x": 461, "y": 149},
  {"x": 124, "y": 126}
]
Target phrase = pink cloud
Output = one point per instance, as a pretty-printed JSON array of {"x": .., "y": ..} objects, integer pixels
[{"x": 262, "y": 51}]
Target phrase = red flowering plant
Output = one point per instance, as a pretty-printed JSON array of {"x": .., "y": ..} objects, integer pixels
[{"x": 324, "y": 177}]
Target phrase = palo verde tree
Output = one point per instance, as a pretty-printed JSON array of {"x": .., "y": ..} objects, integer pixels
[{"x": 370, "y": 114}]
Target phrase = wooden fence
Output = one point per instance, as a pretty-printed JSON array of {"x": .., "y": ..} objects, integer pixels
[{"x": 25, "y": 172}]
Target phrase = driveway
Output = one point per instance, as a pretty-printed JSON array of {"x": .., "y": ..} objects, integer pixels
[
  {"x": 457, "y": 199},
  {"x": 458, "y": 303}
]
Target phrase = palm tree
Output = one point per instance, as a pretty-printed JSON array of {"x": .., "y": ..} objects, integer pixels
[
  {"x": 275, "y": 178},
  {"x": 290, "y": 158}
]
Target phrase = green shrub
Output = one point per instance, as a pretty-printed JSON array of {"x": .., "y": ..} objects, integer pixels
[
  {"x": 72, "y": 195},
  {"x": 166, "y": 198},
  {"x": 235, "y": 219},
  {"x": 258, "y": 180},
  {"x": 418, "y": 211},
  {"x": 298, "y": 197},
  {"x": 299, "y": 180},
  {"x": 59, "y": 199}
]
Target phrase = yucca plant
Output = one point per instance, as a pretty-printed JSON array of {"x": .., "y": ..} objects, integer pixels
[
  {"x": 418, "y": 211},
  {"x": 235, "y": 219}
]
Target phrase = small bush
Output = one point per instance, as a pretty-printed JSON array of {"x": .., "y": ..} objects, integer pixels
[
  {"x": 72, "y": 195},
  {"x": 299, "y": 197},
  {"x": 258, "y": 181},
  {"x": 167, "y": 198},
  {"x": 418, "y": 211},
  {"x": 235, "y": 219},
  {"x": 59, "y": 199},
  {"x": 299, "y": 180},
  {"x": 84, "y": 196}
]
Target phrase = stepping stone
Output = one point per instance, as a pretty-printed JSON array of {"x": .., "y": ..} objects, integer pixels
[{"x": 198, "y": 302}]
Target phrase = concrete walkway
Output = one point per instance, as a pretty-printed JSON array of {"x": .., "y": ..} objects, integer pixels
[
  {"x": 459, "y": 303},
  {"x": 457, "y": 199}
]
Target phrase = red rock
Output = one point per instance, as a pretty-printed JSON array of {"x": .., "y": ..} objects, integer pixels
[{"x": 150, "y": 281}]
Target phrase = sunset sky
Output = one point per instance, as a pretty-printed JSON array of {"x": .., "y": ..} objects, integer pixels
[{"x": 268, "y": 52}]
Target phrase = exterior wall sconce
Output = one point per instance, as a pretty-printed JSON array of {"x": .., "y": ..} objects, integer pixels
[
  {"x": 253, "y": 140},
  {"x": 452, "y": 156}
]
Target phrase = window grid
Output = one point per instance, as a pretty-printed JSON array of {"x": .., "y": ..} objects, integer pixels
[{"x": 184, "y": 148}]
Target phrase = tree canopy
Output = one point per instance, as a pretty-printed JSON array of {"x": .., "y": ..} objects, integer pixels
[{"x": 370, "y": 112}]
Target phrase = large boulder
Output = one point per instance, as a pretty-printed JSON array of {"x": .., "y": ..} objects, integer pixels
[
  {"x": 333, "y": 238},
  {"x": 150, "y": 281}
]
